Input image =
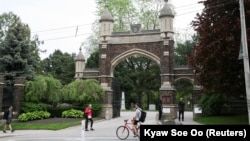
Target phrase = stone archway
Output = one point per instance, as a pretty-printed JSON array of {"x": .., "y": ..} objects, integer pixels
[
  {"x": 157, "y": 45},
  {"x": 131, "y": 52}
]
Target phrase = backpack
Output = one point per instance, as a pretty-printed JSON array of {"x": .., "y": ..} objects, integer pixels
[
  {"x": 6, "y": 113},
  {"x": 143, "y": 116}
]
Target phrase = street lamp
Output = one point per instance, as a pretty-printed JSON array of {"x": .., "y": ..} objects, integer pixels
[{"x": 245, "y": 54}]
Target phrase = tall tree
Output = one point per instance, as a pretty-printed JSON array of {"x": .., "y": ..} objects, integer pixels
[
  {"x": 138, "y": 75},
  {"x": 182, "y": 51},
  {"x": 61, "y": 66},
  {"x": 92, "y": 61},
  {"x": 215, "y": 56},
  {"x": 123, "y": 12},
  {"x": 19, "y": 53}
]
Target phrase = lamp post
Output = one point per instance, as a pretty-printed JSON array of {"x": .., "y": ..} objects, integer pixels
[{"x": 245, "y": 54}]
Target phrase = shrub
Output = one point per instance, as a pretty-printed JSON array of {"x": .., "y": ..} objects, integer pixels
[
  {"x": 33, "y": 116},
  {"x": 31, "y": 107},
  {"x": 211, "y": 104},
  {"x": 72, "y": 113}
]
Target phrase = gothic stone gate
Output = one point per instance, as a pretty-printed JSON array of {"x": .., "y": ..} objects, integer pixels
[
  {"x": 150, "y": 45},
  {"x": 157, "y": 45}
]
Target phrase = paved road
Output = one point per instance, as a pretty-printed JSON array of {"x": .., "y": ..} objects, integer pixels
[{"x": 104, "y": 130}]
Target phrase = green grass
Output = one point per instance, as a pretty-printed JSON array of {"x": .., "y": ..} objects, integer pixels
[
  {"x": 49, "y": 126},
  {"x": 45, "y": 126},
  {"x": 223, "y": 120},
  {"x": 42, "y": 126}
]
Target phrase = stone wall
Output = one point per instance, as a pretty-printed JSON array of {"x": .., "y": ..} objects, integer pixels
[{"x": 18, "y": 94}]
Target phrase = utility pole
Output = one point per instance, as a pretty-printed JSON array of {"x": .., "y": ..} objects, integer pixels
[{"x": 245, "y": 54}]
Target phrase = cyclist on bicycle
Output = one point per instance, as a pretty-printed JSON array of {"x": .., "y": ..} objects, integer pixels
[{"x": 136, "y": 119}]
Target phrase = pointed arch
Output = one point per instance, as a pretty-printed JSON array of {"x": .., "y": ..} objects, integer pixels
[{"x": 131, "y": 52}]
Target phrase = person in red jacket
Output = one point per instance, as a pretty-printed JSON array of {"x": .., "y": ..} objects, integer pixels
[{"x": 88, "y": 117}]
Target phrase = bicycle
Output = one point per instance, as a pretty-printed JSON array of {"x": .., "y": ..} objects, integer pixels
[{"x": 122, "y": 132}]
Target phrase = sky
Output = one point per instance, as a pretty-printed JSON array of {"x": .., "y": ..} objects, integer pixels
[{"x": 65, "y": 24}]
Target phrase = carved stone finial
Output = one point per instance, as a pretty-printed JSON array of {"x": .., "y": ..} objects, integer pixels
[{"x": 135, "y": 28}]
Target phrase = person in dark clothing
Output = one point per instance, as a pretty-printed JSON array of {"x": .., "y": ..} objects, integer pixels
[
  {"x": 160, "y": 109},
  {"x": 181, "y": 106},
  {"x": 8, "y": 117}
]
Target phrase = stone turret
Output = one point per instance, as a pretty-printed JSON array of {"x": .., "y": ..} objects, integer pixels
[
  {"x": 166, "y": 21},
  {"x": 106, "y": 27},
  {"x": 80, "y": 65}
]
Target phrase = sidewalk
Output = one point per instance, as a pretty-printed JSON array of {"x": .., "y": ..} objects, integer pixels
[
  {"x": 75, "y": 132},
  {"x": 188, "y": 119}
]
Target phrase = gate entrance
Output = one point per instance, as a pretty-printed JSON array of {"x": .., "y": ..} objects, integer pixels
[{"x": 157, "y": 45}]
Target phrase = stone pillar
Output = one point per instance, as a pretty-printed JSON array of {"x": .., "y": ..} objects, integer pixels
[
  {"x": 167, "y": 90},
  {"x": 1, "y": 92},
  {"x": 123, "y": 102},
  {"x": 169, "y": 113},
  {"x": 107, "y": 107},
  {"x": 18, "y": 94},
  {"x": 197, "y": 111}
]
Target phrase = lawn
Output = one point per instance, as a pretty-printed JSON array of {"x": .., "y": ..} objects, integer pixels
[
  {"x": 223, "y": 120},
  {"x": 47, "y": 124}
]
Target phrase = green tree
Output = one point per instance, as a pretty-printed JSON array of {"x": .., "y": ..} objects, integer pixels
[
  {"x": 148, "y": 13},
  {"x": 123, "y": 12},
  {"x": 44, "y": 89},
  {"x": 18, "y": 53},
  {"x": 61, "y": 66},
  {"x": 93, "y": 60},
  {"x": 183, "y": 50},
  {"x": 83, "y": 91},
  {"x": 215, "y": 56},
  {"x": 139, "y": 76}
]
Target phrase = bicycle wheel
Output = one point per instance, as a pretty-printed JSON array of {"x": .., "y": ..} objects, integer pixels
[{"x": 122, "y": 132}]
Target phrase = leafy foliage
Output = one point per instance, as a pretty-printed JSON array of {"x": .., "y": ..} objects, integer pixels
[
  {"x": 184, "y": 90},
  {"x": 212, "y": 104},
  {"x": 138, "y": 75},
  {"x": 92, "y": 61},
  {"x": 83, "y": 91},
  {"x": 31, "y": 107},
  {"x": 43, "y": 88},
  {"x": 215, "y": 56},
  {"x": 183, "y": 50},
  {"x": 19, "y": 54},
  {"x": 72, "y": 113},
  {"x": 61, "y": 66},
  {"x": 33, "y": 116}
]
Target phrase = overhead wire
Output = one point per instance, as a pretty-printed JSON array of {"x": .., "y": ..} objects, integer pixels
[{"x": 76, "y": 27}]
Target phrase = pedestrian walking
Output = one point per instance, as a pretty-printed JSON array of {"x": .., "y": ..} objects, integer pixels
[
  {"x": 160, "y": 110},
  {"x": 88, "y": 117},
  {"x": 181, "y": 106},
  {"x": 8, "y": 115},
  {"x": 136, "y": 119}
]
